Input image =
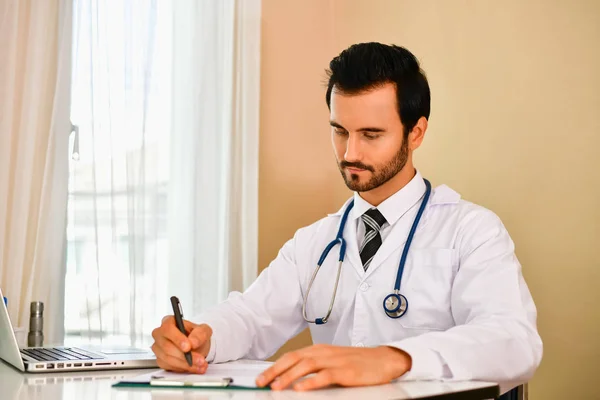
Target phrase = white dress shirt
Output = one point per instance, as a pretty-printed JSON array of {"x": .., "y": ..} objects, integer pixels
[{"x": 470, "y": 313}]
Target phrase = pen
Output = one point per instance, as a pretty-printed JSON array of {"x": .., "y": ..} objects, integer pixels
[{"x": 178, "y": 312}]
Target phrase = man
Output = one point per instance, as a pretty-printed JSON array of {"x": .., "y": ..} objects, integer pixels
[{"x": 463, "y": 309}]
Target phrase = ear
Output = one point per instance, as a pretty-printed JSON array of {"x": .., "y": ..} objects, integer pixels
[{"x": 417, "y": 134}]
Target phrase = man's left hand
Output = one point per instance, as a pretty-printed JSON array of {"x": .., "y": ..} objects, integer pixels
[{"x": 345, "y": 366}]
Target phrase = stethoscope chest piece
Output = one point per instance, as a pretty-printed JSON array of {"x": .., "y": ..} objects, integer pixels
[{"x": 395, "y": 305}]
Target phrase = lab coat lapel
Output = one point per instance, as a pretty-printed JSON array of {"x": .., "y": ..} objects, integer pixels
[{"x": 352, "y": 254}]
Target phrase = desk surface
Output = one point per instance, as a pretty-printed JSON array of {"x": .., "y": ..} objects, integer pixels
[{"x": 98, "y": 385}]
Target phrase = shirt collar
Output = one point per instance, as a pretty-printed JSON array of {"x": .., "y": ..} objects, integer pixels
[{"x": 394, "y": 206}]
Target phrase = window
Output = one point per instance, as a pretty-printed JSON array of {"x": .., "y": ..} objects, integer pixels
[
  {"x": 164, "y": 96},
  {"x": 118, "y": 188}
]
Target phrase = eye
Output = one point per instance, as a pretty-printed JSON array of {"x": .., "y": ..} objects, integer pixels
[
  {"x": 371, "y": 136},
  {"x": 341, "y": 132}
]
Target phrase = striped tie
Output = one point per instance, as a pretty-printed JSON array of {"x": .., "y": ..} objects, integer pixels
[{"x": 374, "y": 221}]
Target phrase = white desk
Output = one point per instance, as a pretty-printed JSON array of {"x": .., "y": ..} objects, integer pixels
[{"x": 98, "y": 385}]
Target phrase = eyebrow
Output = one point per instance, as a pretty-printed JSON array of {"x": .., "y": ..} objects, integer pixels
[{"x": 365, "y": 129}]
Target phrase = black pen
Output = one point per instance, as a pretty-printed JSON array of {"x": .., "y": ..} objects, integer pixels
[{"x": 178, "y": 312}]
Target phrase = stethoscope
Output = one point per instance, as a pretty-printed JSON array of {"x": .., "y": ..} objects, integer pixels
[{"x": 395, "y": 304}]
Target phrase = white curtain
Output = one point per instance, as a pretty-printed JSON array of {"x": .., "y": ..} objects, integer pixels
[
  {"x": 163, "y": 185},
  {"x": 35, "y": 45},
  {"x": 214, "y": 181}
]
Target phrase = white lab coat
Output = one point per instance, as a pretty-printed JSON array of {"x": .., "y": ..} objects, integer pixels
[{"x": 470, "y": 314}]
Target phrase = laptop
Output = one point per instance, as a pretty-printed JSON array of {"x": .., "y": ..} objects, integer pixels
[{"x": 64, "y": 358}]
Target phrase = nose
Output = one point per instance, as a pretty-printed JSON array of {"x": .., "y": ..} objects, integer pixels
[{"x": 353, "y": 152}]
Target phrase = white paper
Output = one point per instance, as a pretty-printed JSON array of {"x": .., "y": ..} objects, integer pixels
[{"x": 242, "y": 372}]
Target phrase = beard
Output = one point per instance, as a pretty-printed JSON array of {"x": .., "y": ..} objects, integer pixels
[{"x": 380, "y": 174}]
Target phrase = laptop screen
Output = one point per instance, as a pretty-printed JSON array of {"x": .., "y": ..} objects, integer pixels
[{"x": 9, "y": 350}]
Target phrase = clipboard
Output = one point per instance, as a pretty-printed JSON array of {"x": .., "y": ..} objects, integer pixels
[
  {"x": 236, "y": 376},
  {"x": 203, "y": 382},
  {"x": 207, "y": 383}
]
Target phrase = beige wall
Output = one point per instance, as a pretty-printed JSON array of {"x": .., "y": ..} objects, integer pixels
[
  {"x": 514, "y": 127},
  {"x": 297, "y": 174}
]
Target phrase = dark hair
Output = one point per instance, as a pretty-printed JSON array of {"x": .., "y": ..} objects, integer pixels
[{"x": 366, "y": 66}]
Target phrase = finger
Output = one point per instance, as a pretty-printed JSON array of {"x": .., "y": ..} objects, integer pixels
[
  {"x": 198, "y": 359},
  {"x": 170, "y": 349},
  {"x": 302, "y": 368},
  {"x": 289, "y": 359},
  {"x": 188, "y": 325},
  {"x": 169, "y": 330},
  {"x": 168, "y": 362},
  {"x": 168, "y": 367},
  {"x": 164, "y": 365},
  {"x": 281, "y": 365},
  {"x": 321, "y": 379},
  {"x": 200, "y": 335},
  {"x": 203, "y": 368},
  {"x": 167, "y": 349}
]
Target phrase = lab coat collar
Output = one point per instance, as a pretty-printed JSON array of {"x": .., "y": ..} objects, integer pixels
[
  {"x": 440, "y": 195},
  {"x": 394, "y": 206},
  {"x": 401, "y": 202},
  {"x": 390, "y": 207}
]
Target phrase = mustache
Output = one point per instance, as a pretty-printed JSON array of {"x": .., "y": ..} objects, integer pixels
[{"x": 357, "y": 165}]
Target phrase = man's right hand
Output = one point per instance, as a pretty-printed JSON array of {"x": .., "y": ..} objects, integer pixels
[{"x": 170, "y": 345}]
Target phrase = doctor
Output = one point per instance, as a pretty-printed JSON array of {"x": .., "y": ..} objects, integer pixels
[{"x": 429, "y": 286}]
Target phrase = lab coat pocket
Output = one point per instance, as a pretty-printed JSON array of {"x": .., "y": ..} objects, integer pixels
[{"x": 428, "y": 286}]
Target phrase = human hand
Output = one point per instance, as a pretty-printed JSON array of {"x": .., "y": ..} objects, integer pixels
[
  {"x": 170, "y": 346},
  {"x": 345, "y": 366}
]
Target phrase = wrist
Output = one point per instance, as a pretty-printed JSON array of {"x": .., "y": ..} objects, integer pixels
[{"x": 397, "y": 361}]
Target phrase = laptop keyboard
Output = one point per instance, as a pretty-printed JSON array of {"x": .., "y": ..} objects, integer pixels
[{"x": 60, "y": 354}]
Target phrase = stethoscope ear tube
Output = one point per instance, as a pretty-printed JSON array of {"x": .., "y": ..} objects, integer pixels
[{"x": 323, "y": 320}]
